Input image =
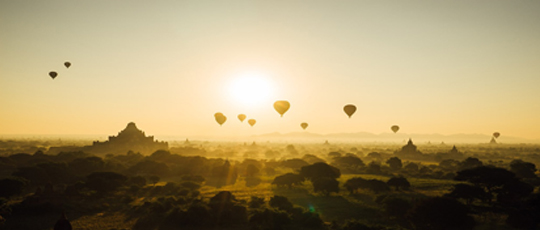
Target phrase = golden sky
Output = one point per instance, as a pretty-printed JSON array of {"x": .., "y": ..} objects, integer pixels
[{"x": 429, "y": 66}]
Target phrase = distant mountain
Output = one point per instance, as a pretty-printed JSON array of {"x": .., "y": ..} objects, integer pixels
[{"x": 393, "y": 137}]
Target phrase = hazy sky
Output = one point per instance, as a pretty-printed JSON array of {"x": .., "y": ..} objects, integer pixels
[{"x": 429, "y": 66}]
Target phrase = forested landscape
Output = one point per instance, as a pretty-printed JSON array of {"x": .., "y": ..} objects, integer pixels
[{"x": 206, "y": 185}]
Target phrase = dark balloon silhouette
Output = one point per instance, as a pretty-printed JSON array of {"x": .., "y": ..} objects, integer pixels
[
  {"x": 304, "y": 125},
  {"x": 281, "y": 106},
  {"x": 394, "y": 128},
  {"x": 67, "y": 64},
  {"x": 252, "y": 122},
  {"x": 241, "y": 117},
  {"x": 220, "y": 118},
  {"x": 496, "y": 134},
  {"x": 53, "y": 74},
  {"x": 349, "y": 109}
]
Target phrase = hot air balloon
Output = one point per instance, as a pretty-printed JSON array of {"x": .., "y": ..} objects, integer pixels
[
  {"x": 67, "y": 64},
  {"x": 53, "y": 74},
  {"x": 220, "y": 118},
  {"x": 394, "y": 128},
  {"x": 241, "y": 117},
  {"x": 304, "y": 125},
  {"x": 349, "y": 109},
  {"x": 252, "y": 122},
  {"x": 281, "y": 107},
  {"x": 496, "y": 134}
]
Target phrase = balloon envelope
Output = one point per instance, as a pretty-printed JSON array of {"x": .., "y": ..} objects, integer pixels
[
  {"x": 349, "y": 109},
  {"x": 53, "y": 74},
  {"x": 394, "y": 128},
  {"x": 304, "y": 125},
  {"x": 241, "y": 117},
  {"x": 67, "y": 64},
  {"x": 281, "y": 106},
  {"x": 220, "y": 118},
  {"x": 496, "y": 134},
  {"x": 252, "y": 122}
]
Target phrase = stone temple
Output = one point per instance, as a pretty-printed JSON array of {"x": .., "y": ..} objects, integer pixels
[{"x": 129, "y": 139}]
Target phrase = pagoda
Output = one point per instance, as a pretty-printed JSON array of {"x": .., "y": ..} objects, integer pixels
[
  {"x": 409, "y": 151},
  {"x": 129, "y": 139}
]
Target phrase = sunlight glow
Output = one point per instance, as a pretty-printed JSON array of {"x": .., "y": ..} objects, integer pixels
[{"x": 250, "y": 89}]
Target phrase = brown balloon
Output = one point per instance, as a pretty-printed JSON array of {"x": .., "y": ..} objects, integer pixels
[
  {"x": 349, "y": 109},
  {"x": 67, "y": 64},
  {"x": 281, "y": 107},
  {"x": 241, "y": 117},
  {"x": 394, "y": 128},
  {"x": 496, "y": 134},
  {"x": 220, "y": 118},
  {"x": 53, "y": 74},
  {"x": 252, "y": 122},
  {"x": 304, "y": 125}
]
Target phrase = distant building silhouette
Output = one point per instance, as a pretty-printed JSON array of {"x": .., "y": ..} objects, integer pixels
[
  {"x": 454, "y": 153},
  {"x": 493, "y": 141},
  {"x": 409, "y": 151},
  {"x": 131, "y": 138},
  {"x": 454, "y": 150}
]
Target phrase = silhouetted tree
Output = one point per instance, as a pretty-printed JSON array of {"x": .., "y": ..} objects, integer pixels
[
  {"x": 105, "y": 182},
  {"x": 396, "y": 207},
  {"x": 251, "y": 170},
  {"x": 190, "y": 185},
  {"x": 256, "y": 202},
  {"x": 149, "y": 167},
  {"x": 355, "y": 225},
  {"x": 399, "y": 182},
  {"x": 87, "y": 165},
  {"x": 11, "y": 187},
  {"x": 137, "y": 180},
  {"x": 281, "y": 203},
  {"x": 270, "y": 219},
  {"x": 470, "y": 163},
  {"x": 43, "y": 173},
  {"x": 294, "y": 163},
  {"x": 253, "y": 181},
  {"x": 334, "y": 154},
  {"x": 394, "y": 163},
  {"x": 449, "y": 164},
  {"x": 527, "y": 216},
  {"x": 226, "y": 210},
  {"x": 377, "y": 186},
  {"x": 353, "y": 184},
  {"x": 440, "y": 213},
  {"x": 411, "y": 167},
  {"x": 469, "y": 193},
  {"x": 325, "y": 185},
  {"x": 495, "y": 181},
  {"x": 312, "y": 159},
  {"x": 319, "y": 170},
  {"x": 288, "y": 180},
  {"x": 194, "y": 178},
  {"x": 153, "y": 179},
  {"x": 523, "y": 169},
  {"x": 374, "y": 168},
  {"x": 62, "y": 223},
  {"x": 349, "y": 162}
]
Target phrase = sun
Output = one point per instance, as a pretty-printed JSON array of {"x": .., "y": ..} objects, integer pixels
[{"x": 251, "y": 89}]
